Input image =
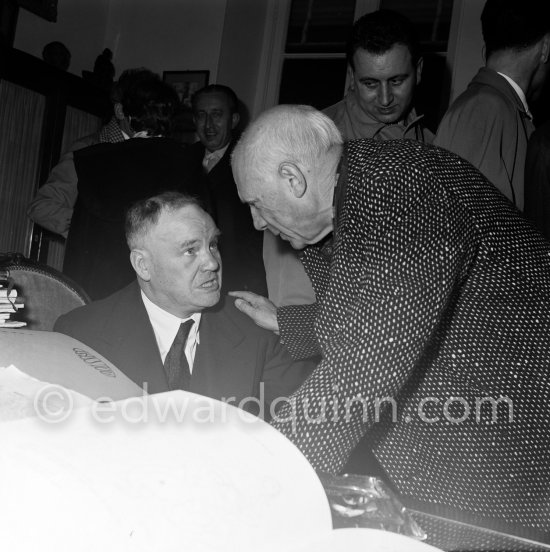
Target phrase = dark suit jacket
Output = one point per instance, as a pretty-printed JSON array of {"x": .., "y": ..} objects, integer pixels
[
  {"x": 111, "y": 177},
  {"x": 233, "y": 356},
  {"x": 241, "y": 244},
  {"x": 537, "y": 179}
]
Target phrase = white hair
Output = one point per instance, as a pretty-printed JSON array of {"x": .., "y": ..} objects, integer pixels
[{"x": 294, "y": 133}]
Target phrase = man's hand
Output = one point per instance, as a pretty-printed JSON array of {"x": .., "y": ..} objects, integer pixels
[{"x": 260, "y": 309}]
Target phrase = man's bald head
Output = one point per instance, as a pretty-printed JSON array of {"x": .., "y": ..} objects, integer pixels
[
  {"x": 297, "y": 133},
  {"x": 284, "y": 166}
]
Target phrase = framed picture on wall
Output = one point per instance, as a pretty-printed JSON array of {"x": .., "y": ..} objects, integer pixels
[
  {"x": 43, "y": 8},
  {"x": 186, "y": 83}
]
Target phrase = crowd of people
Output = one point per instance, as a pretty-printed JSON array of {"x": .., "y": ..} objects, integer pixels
[{"x": 397, "y": 304}]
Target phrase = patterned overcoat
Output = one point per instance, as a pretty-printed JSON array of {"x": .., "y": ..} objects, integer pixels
[{"x": 433, "y": 320}]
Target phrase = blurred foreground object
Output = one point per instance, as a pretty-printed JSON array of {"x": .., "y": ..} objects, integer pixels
[
  {"x": 366, "y": 501},
  {"x": 166, "y": 472}
]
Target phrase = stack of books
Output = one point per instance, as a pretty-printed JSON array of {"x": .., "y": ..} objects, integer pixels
[{"x": 10, "y": 303}]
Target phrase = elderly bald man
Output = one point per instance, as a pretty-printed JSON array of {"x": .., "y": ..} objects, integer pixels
[{"x": 432, "y": 319}]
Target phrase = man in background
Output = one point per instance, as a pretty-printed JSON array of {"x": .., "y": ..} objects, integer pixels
[
  {"x": 133, "y": 160},
  {"x": 384, "y": 70},
  {"x": 52, "y": 208},
  {"x": 216, "y": 117},
  {"x": 537, "y": 179},
  {"x": 489, "y": 124}
]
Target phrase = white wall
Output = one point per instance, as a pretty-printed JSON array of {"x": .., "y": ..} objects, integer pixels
[
  {"x": 241, "y": 49},
  {"x": 233, "y": 39},
  {"x": 465, "y": 52},
  {"x": 80, "y": 26},
  {"x": 166, "y": 35},
  {"x": 162, "y": 35}
]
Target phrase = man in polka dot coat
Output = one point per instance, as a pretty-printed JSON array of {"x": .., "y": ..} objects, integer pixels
[{"x": 433, "y": 301}]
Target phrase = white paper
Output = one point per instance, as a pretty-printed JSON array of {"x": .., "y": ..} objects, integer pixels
[{"x": 20, "y": 396}]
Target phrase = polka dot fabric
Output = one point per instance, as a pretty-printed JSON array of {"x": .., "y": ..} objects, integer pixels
[{"x": 433, "y": 320}]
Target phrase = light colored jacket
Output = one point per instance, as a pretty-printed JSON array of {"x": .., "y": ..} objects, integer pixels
[
  {"x": 354, "y": 123},
  {"x": 488, "y": 126}
]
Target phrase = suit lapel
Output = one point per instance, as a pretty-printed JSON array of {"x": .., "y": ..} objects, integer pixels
[
  {"x": 226, "y": 363},
  {"x": 130, "y": 334},
  {"x": 225, "y": 366}
]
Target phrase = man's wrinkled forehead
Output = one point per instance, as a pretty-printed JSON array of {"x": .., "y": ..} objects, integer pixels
[{"x": 183, "y": 218}]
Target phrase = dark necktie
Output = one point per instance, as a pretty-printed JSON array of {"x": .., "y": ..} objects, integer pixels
[{"x": 175, "y": 363}]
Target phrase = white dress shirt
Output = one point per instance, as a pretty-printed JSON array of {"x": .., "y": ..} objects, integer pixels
[
  {"x": 518, "y": 91},
  {"x": 166, "y": 326},
  {"x": 211, "y": 158}
]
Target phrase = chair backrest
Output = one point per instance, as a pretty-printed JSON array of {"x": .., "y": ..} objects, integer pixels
[{"x": 46, "y": 292}]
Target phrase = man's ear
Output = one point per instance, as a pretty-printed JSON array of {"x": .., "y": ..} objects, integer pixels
[
  {"x": 119, "y": 111},
  {"x": 235, "y": 118},
  {"x": 419, "y": 66},
  {"x": 294, "y": 177},
  {"x": 140, "y": 263}
]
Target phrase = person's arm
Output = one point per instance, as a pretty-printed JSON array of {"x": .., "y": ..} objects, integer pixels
[
  {"x": 281, "y": 375},
  {"x": 484, "y": 131},
  {"x": 412, "y": 271},
  {"x": 53, "y": 204},
  {"x": 295, "y": 321},
  {"x": 296, "y": 329}
]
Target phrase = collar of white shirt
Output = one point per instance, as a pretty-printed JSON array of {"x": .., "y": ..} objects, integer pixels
[
  {"x": 519, "y": 92},
  {"x": 211, "y": 158},
  {"x": 166, "y": 326}
]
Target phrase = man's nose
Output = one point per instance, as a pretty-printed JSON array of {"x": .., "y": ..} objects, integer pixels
[
  {"x": 209, "y": 121},
  {"x": 385, "y": 96},
  {"x": 259, "y": 222},
  {"x": 211, "y": 261}
]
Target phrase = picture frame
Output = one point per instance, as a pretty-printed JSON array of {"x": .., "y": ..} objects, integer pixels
[
  {"x": 186, "y": 83},
  {"x": 47, "y": 9}
]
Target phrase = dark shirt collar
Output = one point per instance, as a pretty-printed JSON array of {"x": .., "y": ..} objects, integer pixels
[
  {"x": 327, "y": 244},
  {"x": 340, "y": 188}
]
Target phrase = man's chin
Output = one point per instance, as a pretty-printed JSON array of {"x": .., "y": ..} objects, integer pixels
[
  {"x": 297, "y": 244},
  {"x": 212, "y": 144},
  {"x": 211, "y": 298},
  {"x": 389, "y": 118}
]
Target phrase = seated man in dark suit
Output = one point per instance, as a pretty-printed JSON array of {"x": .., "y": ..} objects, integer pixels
[
  {"x": 216, "y": 118},
  {"x": 174, "y": 252}
]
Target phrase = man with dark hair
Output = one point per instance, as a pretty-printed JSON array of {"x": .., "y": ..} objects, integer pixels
[
  {"x": 53, "y": 205},
  {"x": 384, "y": 67},
  {"x": 489, "y": 124},
  {"x": 169, "y": 330},
  {"x": 215, "y": 137},
  {"x": 104, "y": 179},
  {"x": 216, "y": 117}
]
